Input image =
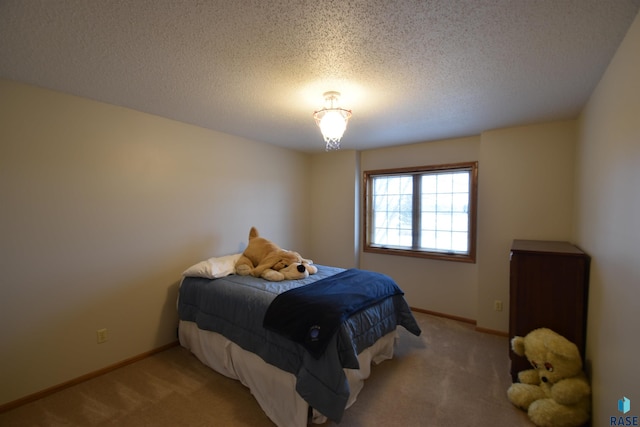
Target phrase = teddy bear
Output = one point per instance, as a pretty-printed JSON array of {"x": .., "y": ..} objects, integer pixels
[
  {"x": 555, "y": 392},
  {"x": 263, "y": 258}
]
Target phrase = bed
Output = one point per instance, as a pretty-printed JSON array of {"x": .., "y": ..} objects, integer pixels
[{"x": 299, "y": 369}]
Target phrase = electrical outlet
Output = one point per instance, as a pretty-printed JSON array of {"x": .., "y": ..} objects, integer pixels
[
  {"x": 102, "y": 335},
  {"x": 497, "y": 305}
]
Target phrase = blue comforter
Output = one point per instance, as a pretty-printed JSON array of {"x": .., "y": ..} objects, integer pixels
[
  {"x": 235, "y": 306},
  {"x": 311, "y": 315}
]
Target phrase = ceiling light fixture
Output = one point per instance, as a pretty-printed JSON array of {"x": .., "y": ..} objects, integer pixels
[{"x": 332, "y": 120}]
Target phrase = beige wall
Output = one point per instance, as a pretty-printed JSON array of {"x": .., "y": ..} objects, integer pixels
[
  {"x": 334, "y": 202},
  {"x": 102, "y": 209},
  {"x": 608, "y": 227},
  {"x": 440, "y": 286},
  {"x": 525, "y": 192}
]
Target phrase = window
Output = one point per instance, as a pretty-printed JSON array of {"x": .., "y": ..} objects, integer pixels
[{"x": 427, "y": 211}]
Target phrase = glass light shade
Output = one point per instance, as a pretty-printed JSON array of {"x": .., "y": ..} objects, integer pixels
[
  {"x": 332, "y": 120},
  {"x": 333, "y": 124}
]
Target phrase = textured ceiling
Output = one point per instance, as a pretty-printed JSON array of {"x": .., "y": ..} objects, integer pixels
[{"x": 411, "y": 70}]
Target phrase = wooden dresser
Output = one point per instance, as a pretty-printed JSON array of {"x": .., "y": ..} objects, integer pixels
[{"x": 549, "y": 285}]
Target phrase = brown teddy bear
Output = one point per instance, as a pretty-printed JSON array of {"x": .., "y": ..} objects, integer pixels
[
  {"x": 263, "y": 258},
  {"x": 555, "y": 393}
]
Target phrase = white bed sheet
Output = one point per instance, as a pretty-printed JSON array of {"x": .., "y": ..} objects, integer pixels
[{"x": 273, "y": 388}]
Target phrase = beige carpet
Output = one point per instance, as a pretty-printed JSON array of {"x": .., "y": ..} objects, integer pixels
[{"x": 449, "y": 376}]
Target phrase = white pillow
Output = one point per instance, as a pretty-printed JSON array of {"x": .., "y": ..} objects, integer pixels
[{"x": 213, "y": 268}]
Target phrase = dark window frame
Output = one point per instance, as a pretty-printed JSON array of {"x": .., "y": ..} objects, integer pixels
[{"x": 469, "y": 257}]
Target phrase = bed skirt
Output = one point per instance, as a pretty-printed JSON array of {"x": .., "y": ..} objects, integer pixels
[{"x": 273, "y": 388}]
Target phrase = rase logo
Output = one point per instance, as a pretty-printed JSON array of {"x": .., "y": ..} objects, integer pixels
[{"x": 624, "y": 406}]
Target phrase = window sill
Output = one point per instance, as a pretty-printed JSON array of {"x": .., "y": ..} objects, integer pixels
[{"x": 442, "y": 256}]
